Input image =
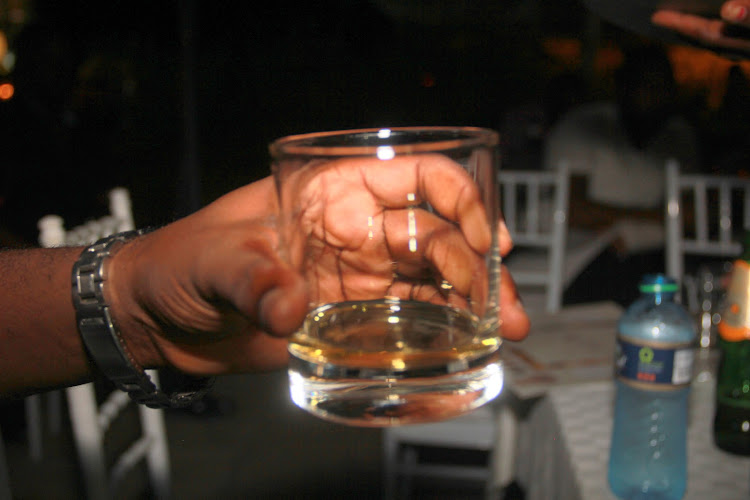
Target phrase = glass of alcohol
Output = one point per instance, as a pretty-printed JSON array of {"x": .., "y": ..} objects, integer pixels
[{"x": 395, "y": 231}]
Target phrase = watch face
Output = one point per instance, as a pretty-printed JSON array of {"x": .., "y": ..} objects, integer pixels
[{"x": 635, "y": 15}]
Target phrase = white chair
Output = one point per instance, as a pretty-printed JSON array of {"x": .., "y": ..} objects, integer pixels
[
  {"x": 489, "y": 429},
  {"x": 701, "y": 217},
  {"x": 91, "y": 418},
  {"x": 535, "y": 209},
  {"x": 547, "y": 253}
]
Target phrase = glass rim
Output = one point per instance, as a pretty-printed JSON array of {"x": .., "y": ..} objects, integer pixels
[{"x": 304, "y": 144}]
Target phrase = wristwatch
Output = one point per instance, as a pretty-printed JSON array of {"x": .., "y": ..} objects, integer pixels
[{"x": 103, "y": 340}]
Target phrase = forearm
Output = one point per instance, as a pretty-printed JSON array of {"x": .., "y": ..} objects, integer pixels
[
  {"x": 40, "y": 346},
  {"x": 158, "y": 287}
]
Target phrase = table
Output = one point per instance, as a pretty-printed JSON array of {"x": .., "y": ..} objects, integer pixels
[
  {"x": 562, "y": 375},
  {"x": 573, "y": 346},
  {"x": 564, "y": 446}
]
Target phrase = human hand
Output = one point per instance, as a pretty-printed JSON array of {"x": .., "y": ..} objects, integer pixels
[
  {"x": 412, "y": 227},
  {"x": 362, "y": 229},
  {"x": 730, "y": 32},
  {"x": 210, "y": 293}
]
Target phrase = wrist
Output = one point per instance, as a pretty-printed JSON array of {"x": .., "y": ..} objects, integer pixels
[
  {"x": 102, "y": 335},
  {"x": 136, "y": 326}
]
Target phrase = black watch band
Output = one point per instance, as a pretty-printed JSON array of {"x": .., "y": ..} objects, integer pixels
[{"x": 102, "y": 338}]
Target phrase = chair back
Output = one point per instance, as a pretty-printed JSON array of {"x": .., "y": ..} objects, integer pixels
[
  {"x": 535, "y": 209},
  {"x": 477, "y": 431},
  {"x": 705, "y": 215},
  {"x": 92, "y": 415}
]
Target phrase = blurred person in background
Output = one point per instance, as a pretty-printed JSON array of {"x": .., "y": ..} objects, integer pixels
[{"x": 617, "y": 148}]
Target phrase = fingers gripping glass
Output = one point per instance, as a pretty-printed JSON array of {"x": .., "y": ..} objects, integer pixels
[{"x": 395, "y": 231}]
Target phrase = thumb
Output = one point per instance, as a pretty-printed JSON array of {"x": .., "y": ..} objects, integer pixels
[
  {"x": 282, "y": 308},
  {"x": 265, "y": 290}
]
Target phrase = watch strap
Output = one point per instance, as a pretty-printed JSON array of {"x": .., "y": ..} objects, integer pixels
[{"x": 103, "y": 340}]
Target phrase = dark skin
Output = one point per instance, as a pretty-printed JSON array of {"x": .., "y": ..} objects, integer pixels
[
  {"x": 208, "y": 294},
  {"x": 728, "y": 32}
]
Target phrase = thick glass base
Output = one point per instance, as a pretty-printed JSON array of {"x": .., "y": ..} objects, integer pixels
[{"x": 372, "y": 399}]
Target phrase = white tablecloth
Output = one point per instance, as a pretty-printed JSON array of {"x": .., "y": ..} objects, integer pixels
[
  {"x": 564, "y": 447},
  {"x": 573, "y": 346},
  {"x": 563, "y": 370}
]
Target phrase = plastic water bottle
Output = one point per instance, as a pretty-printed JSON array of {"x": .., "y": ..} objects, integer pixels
[{"x": 655, "y": 350}]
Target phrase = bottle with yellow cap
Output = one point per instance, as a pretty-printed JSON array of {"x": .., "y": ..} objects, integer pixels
[{"x": 732, "y": 417}]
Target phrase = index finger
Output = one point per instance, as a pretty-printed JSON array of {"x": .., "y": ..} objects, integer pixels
[
  {"x": 736, "y": 12},
  {"x": 409, "y": 180},
  {"x": 711, "y": 32}
]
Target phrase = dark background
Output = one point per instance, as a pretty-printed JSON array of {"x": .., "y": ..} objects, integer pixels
[{"x": 178, "y": 100}]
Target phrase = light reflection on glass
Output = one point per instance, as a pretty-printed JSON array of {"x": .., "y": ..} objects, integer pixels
[{"x": 385, "y": 153}]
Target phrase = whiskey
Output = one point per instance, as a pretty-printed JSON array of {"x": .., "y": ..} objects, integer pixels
[{"x": 389, "y": 361}]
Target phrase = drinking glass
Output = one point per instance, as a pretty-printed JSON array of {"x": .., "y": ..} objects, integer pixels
[{"x": 395, "y": 231}]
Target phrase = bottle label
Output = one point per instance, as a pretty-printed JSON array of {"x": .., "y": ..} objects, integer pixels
[
  {"x": 735, "y": 318},
  {"x": 658, "y": 365}
]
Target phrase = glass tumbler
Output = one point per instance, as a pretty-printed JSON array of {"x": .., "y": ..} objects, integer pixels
[{"x": 395, "y": 232}]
